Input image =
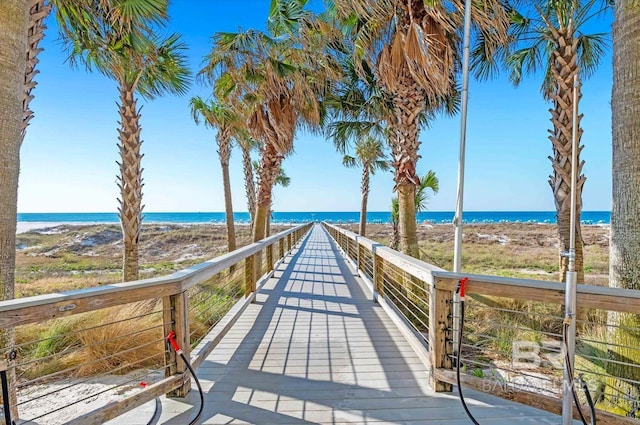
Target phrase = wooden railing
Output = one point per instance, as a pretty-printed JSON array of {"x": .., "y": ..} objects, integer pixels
[
  {"x": 503, "y": 314},
  {"x": 165, "y": 304}
]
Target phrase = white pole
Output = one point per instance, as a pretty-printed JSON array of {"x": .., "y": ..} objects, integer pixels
[
  {"x": 572, "y": 275},
  {"x": 457, "y": 220}
]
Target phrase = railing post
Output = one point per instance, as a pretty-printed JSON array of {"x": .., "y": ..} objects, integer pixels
[
  {"x": 249, "y": 275},
  {"x": 360, "y": 257},
  {"x": 440, "y": 329},
  {"x": 176, "y": 319},
  {"x": 269, "y": 257},
  {"x": 289, "y": 245},
  {"x": 281, "y": 248},
  {"x": 346, "y": 249},
  {"x": 378, "y": 274}
]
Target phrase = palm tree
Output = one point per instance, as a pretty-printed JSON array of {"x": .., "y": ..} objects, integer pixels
[
  {"x": 413, "y": 47},
  {"x": 279, "y": 81},
  {"x": 371, "y": 157},
  {"x": 14, "y": 15},
  {"x": 431, "y": 183},
  {"x": 141, "y": 63},
  {"x": 551, "y": 40},
  {"x": 246, "y": 145},
  {"x": 226, "y": 120},
  {"x": 625, "y": 215}
]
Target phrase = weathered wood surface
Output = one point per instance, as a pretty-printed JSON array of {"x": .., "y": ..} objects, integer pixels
[{"x": 314, "y": 348}]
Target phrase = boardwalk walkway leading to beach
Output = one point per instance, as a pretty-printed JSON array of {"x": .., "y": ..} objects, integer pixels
[{"x": 315, "y": 348}]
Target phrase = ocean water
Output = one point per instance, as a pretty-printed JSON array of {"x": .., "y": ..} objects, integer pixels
[{"x": 436, "y": 217}]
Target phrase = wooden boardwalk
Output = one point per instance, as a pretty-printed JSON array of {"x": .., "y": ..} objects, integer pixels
[{"x": 314, "y": 348}]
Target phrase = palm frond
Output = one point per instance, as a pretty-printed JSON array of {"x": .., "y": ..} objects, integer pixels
[
  {"x": 349, "y": 161},
  {"x": 591, "y": 49},
  {"x": 165, "y": 69},
  {"x": 429, "y": 182}
]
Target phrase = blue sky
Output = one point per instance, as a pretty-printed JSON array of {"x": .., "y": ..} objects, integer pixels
[{"x": 68, "y": 157}]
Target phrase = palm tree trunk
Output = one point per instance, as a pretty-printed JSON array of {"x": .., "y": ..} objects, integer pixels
[
  {"x": 267, "y": 225},
  {"x": 269, "y": 165},
  {"x": 407, "y": 228},
  {"x": 38, "y": 12},
  {"x": 409, "y": 102},
  {"x": 130, "y": 181},
  {"x": 625, "y": 215},
  {"x": 365, "y": 199},
  {"x": 563, "y": 70},
  {"x": 249, "y": 184},
  {"x": 395, "y": 236},
  {"x": 14, "y": 18},
  {"x": 224, "y": 152}
]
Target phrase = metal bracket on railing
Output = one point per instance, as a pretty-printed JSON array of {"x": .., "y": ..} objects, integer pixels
[{"x": 571, "y": 254}]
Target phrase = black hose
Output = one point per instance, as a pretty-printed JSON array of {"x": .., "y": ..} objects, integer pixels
[
  {"x": 5, "y": 398},
  {"x": 154, "y": 417},
  {"x": 587, "y": 395},
  {"x": 464, "y": 404},
  {"x": 195, "y": 378}
]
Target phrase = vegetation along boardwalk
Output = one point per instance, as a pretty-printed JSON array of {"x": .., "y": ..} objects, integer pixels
[{"x": 315, "y": 348}]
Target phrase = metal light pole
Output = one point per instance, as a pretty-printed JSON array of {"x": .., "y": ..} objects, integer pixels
[
  {"x": 572, "y": 275},
  {"x": 457, "y": 220}
]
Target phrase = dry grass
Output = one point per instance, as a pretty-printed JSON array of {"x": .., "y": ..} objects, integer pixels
[
  {"x": 507, "y": 249},
  {"x": 113, "y": 340},
  {"x": 125, "y": 345}
]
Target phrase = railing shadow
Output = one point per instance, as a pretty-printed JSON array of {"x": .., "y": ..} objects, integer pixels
[{"x": 285, "y": 336}]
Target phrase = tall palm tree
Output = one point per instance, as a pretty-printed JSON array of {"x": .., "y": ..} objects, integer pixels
[
  {"x": 413, "y": 47},
  {"x": 247, "y": 144},
  {"x": 279, "y": 80},
  {"x": 14, "y": 16},
  {"x": 371, "y": 157},
  {"x": 141, "y": 63},
  {"x": 625, "y": 215},
  {"x": 226, "y": 120},
  {"x": 431, "y": 183},
  {"x": 550, "y": 39}
]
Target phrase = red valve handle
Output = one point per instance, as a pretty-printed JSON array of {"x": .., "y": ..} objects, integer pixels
[
  {"x": 172, "y": 340},
  {"x": 461, "y": 285}
]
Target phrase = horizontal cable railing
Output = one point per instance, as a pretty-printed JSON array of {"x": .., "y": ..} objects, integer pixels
[
  {"x": 512, "y": 344},
  {"x": 87, "y": 356}
]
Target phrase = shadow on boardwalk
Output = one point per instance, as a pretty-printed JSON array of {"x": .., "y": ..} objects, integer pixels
[{"x": 314, "y": 348}]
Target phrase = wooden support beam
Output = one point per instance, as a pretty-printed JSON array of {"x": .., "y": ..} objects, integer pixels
[
  {"x": 269, "y": 258},
  {"x": 249, "y": 275},
  {"x": 176, "y": 319},
  {"x": 440, "y": 338}
]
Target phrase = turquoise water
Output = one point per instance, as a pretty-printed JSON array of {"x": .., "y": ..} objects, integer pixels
[{"x": 438, "y": 217}]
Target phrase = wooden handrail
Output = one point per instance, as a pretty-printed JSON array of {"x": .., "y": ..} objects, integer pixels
[
  {"x": 22, "y": 311},
  {"x": 413, "y": 266}
]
